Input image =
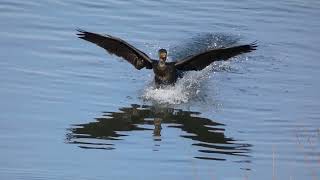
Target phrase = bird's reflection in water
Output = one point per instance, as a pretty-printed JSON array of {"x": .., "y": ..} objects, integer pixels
[{"x": 207, "y": 135}]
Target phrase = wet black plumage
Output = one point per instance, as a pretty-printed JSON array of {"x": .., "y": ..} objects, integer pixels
[
  {"x": 117, "y": 46},
  {"x": 166, "y": 73}
]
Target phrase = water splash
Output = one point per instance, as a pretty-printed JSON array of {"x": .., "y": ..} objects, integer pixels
[
  {"x": 200, "y": 43},
  {"x": 189, "y": 86},
  {"x": 185, "y": 88}
]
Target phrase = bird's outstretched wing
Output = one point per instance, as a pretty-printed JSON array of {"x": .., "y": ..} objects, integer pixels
[
  {"x": 119, "y": 47},
  {"x": 200, "y": 61}
]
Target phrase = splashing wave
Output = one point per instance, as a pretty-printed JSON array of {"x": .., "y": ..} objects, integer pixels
[
  {"x": 185, "y": 88},
  {"x": 189, "y": 86}
]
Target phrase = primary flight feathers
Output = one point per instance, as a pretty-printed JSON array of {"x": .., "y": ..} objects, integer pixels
[
  {"x": 119, "y": 47},
  {"x": 140, "y": 60},
  {"x": 199, "y": 61}
]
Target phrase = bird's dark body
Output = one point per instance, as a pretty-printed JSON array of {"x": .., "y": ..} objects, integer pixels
[{"x": 166, "y": 73}]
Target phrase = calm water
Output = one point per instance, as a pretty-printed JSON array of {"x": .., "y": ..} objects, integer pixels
[{"x": 70, "y": 111}]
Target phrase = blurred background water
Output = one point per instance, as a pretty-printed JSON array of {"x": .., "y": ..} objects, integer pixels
[{"x": 70, "y": 111}]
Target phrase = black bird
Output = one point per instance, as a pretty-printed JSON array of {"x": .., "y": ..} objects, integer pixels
[{"x": 166, "y": 73}]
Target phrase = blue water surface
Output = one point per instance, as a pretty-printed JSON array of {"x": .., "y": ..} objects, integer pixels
[{"x": 69, "y": 110}]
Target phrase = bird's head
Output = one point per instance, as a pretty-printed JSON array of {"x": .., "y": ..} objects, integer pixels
[{"x": 162, "y": 54}]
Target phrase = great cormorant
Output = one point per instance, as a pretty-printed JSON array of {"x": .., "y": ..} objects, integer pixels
[{"x": 166, "y": 73}]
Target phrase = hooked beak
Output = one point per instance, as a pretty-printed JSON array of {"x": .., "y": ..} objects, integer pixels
[{"x": 163, "y": 57}]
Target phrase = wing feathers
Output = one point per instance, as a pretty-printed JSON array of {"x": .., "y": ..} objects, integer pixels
[
  {"x": 118, "y": 47},
  {"x": 202, "y": 60}
]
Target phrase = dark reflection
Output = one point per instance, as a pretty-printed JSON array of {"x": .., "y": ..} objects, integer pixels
[{"x": 207, "y": 135}]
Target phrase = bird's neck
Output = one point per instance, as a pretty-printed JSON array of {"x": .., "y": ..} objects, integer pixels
[{"x": 162, "y": 63}]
